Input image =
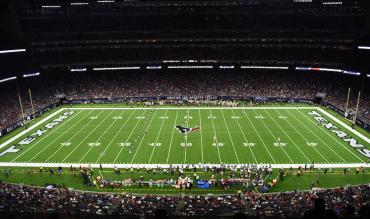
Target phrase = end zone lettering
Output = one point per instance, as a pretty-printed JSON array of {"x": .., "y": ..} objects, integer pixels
[
  {"x": 342, "y": 135},
  {"x": 38, "y": 133}
]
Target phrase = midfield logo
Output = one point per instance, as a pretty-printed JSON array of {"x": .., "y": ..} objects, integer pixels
[{"x": 185, "y": 130}]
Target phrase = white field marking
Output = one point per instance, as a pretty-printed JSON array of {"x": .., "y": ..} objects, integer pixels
[
  {"x": 330, "y": 134},
  {"x": 277, "y": 143},
  {"x": 214, "y": 131},
  {"x": 232, "y": 142},
  {"x": 115, "y": 136},
  {"x": 288, "y": 135},
  {"x": 69, "y": 140},
  {"x": 42, "y": 138},
  {"x": 201, "y": 137},
  {"x": 304, "y": 125},
  {"x": 140, "y": 166},
  {"x": 282, "y": 117},
  {"x": 97, "y": 141},
  {"x": 29, "y": 129},
  {"x": 259, "y": 136},
  {"x": 65, "y": 144},
  {"x": 363, "y": 137},
  {"x": 212, "y": 117},
  {"x": 187, "y": 117},
  {"x": 142, "y": 139},
  {"x": 173, "y": 131},
  {"x": 59, "y": 136},
  {"x": 245, "y": 138},
  {"x": 86, "y": 137},
  {"x": 282, "y": 148},
  {"x": 156, "y": 140},
  {"x": 128, "y": 137},
  {"x": 163, "y": 117},
  {"x": 191, "y": 108}
]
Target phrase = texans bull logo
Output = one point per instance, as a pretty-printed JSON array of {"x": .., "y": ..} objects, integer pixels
[{"x": 185, "y": 130}]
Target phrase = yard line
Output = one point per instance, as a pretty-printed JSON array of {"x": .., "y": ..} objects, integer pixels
[
  {"x": 231, "y": 139},
  {"x": 110, "y": 126},
  {"x": 329, "y": 134},
  {"x": 51, "y": 143},
  {"x": 156, "y": 140},
  {"x": 118, "y": 132},
  {"x": 214, "y": 130},
  {"x": 282, "y": 148},
  {"x": 151, "y": 120},
  {"x": 86, "y": 137},
  {"x": 245, "y": 138},
  {"x": 43, "y": 138},
  {"x": 186, "y": 136},
  {"x": 259, "y": 136},
  {"x": 311, "y": 132},
  {"x": 173, "y": 131},
  {"x": 201, "y": 137},
  {"x": 287, "y": 135},
  {"x": 302, "y": 135},
  {"x": 128, "y": 137}
]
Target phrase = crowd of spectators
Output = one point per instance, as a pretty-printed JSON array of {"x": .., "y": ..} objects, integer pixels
[
  {"x": 343, "y": 201},
  {"x": 47, "y": 89}
]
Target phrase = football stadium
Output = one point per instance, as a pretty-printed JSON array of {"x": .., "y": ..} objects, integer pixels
[{"x": 184, "y": 109}]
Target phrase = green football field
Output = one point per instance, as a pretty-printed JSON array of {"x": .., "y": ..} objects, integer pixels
[{"x": 123, "y": 136}]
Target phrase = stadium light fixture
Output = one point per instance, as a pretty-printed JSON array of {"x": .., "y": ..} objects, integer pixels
[
  {"x": 106, "y": 1},
  {"x": 154, "y": 67},
  {"x": 368, "y": 75},
  {"x": 78, "y": 69},
  {"x": 31, "y": 75},
  {"x": 263, "y": 67},
  {"x": 79, "y": 3},
  {"x": 190, "y": 66},
  {"x": 117, "y": 68},
  {"x": 8, "y": 79},
  {"x": 12, "y": 51},
  {"x": 332, "y": 3},
  {"x": 227, "y": 66},
  {"x": 330, "y": 69},
  {"x": 51, "y": 6},
  {"x": 351, "y": 73},
  {"x": 364, "y": 47}
]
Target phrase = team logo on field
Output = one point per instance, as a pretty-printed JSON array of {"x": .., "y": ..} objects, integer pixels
[{"x": 185, "y": 130}]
